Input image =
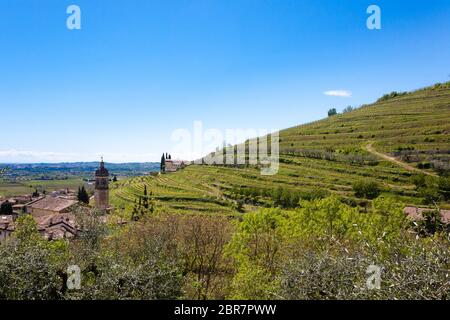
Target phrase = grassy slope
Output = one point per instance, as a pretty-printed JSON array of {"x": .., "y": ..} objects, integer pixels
[
  {"x": 402, "y": 121},
  {"x": 419, "y": 120}
]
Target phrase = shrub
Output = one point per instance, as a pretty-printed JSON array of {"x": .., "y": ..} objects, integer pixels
[
  {"x": 413, "y": 269},
  {"x": 430, "y": 224},
  {"x": 239, "y": 205},
  {"x": 323, "y": 250},
  {"x": 139, "y": 262},
  {"x": 314, "y": 274},
  {"x": 366, "y": 189},
  {"x": 28, "y": 275},
  {"x": 444, "y": 187},
  {"x": 332, "y": 112},
  {"x": 430, "y": 195},
  {"x": 419, "y": 180},
  {"x": 424, "y": 165},
  {"x": 314, "y": 194},
  {"x": 202, "y": 241},
  {"x": 348, "y": 109},
  {"x": 32, "y": 268},
  {"x": 289, "y": 199},
  {"x": 441, "y": 167},
  {"x": 391, "y": 95},
  {"x": 256, "y": 247},
  {"x": 6, "y": 208}
]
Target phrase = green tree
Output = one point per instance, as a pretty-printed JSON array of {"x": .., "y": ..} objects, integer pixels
[
  {"x": 145, "y": 203},
  {"x": 27, "y": 231},
  {"x": 419, "y": 180},
  {"x": 366, "y": 189},
  {"x": 163, "y": 163},
  {"x": 144, "y": 206},
  {"x": 255, "y": 248},
  {"x": 29, "y": 275},
  {"x": 431, "y": 223},
  {"x": 277, "y": 197},
  {"x": 35, "y": 194},
  {"x": 32, "y": 268},
  {"x": 6, "y": 208},
  {"x": 239, "y": 206},
  {"x": 332, "y": 112},
  {"x": 83, "y": 195},
  {"x": 444, "y": 187},
  {"x": 430, "y": 194}
]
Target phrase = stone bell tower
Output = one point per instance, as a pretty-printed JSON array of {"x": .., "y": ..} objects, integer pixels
[{"x": 102, "y": 187}]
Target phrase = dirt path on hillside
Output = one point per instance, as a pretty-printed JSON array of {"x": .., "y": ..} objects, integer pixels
[{"x": 402, "y": 164}]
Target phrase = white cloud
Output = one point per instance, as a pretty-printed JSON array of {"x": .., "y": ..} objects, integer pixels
[{"x": 338, "y": 93}]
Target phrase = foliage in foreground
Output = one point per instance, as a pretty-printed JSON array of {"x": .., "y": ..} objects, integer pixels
[{"x": 321, "y": 250}]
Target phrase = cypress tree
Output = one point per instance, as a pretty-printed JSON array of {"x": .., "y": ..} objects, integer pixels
[
  {"x": 163, "y": 163},
  {"x": 83, "y": 195},
  {"x": 6, "y": 208},
  {"x": 145, "y": 204},
  {"x": 134, "y": 215},
  {"x": 35, "y": 194},
  {"x": 152, "y": 205}
]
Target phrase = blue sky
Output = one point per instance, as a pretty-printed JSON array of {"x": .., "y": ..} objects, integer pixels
[{"x": 138, "y": 70}]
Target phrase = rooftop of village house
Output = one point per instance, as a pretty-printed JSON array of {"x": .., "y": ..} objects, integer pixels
[
  {"x": 416, "y": 213},
  {"x": 52, "y": 203}
]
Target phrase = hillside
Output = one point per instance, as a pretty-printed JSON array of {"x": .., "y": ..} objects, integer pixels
[{"x": 388, "y": 142}]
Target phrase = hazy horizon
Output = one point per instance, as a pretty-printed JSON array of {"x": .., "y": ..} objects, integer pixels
[{"x": 72, "y": 162}]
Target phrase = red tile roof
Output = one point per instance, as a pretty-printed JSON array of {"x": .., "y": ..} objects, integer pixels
[
  {"x": 56, "y": 204},
  {"x": 416, "y": 213}
]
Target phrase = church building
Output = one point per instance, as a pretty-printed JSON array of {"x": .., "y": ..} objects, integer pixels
[{"x": 101, "y": 195}]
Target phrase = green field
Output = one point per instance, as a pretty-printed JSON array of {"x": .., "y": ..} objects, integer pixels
[
  {"x": 9, "y": 189},
  {"x": 331, "y": 154}
]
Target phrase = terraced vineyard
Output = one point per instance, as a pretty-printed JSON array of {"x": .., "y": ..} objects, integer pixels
[
  {"x": 181, "y": 192},
  {"x": 412, "y": 131},
  {"x": 415, "y": 123}
]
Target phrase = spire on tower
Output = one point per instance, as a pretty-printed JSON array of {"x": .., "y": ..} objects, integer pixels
[{"x": 102, "y": 171}]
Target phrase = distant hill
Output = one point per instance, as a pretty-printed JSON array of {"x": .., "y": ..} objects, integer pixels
[
  {"x": 79, "y": 169},
  {"x": 17, "y": 179},
  {"x": 389, "y": 142}
]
